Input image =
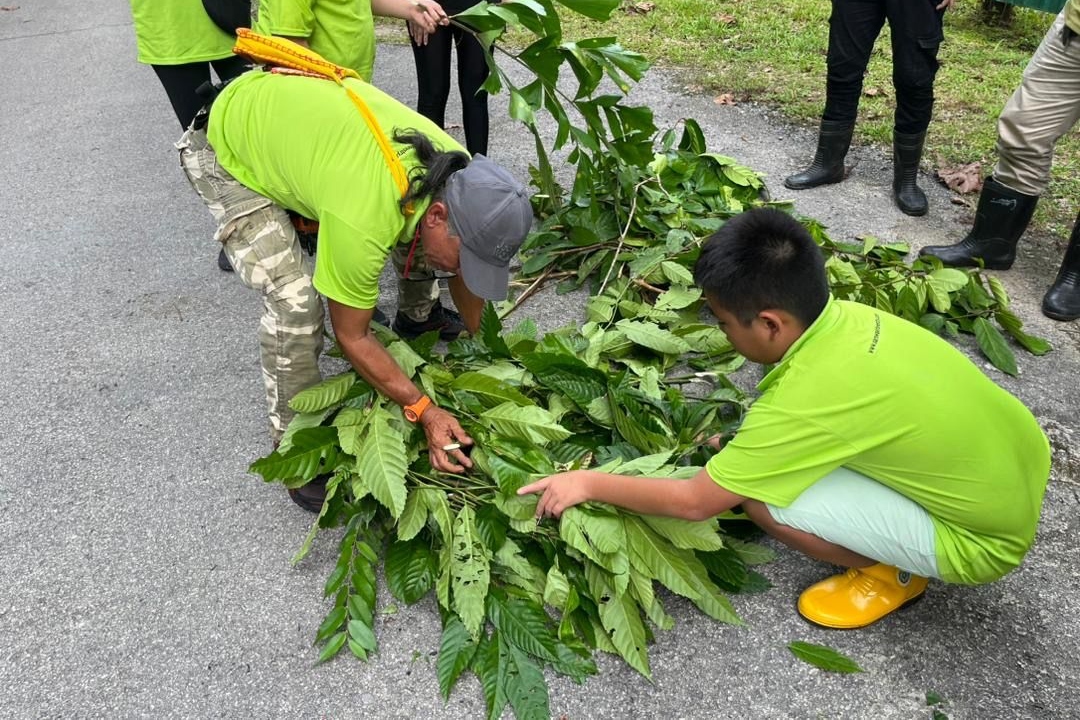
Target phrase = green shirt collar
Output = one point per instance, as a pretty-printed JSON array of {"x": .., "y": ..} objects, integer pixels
[{"x": 827, "y": 319}]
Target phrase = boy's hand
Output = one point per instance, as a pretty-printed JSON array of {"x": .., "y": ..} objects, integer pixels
[{"x": 560, "y": 492}]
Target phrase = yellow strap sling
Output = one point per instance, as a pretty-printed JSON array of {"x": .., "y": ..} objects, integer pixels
[{"x": 286, "y": 54}]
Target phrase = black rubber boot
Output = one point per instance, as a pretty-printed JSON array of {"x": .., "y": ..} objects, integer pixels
[
  {"x": 1001, "y": 218},
  {"x": 907, "y": 152},
  {"x": 1062, "y": 300},
  {"x": 223, "y": 261},
  {"x": 834, "y": 138}
]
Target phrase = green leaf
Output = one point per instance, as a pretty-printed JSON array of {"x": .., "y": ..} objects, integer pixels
[
  {"x": 993, "y": 346},
  {"x": 456, "y": 651},
  {"x": 652, "y": 336},
  {"x": 323, "y": 395},
  {"x": 685, "y": 534},
  {"x": 410, "y": 569},
  {"x": 646, "y": 465},
  {"x": 333, "y": 647},
  {"x": 362, "y": 635},
  {"x": 556, "y": 588},
  {"x": 823, "y": 657},
  {"x": 1013, "y": 325},
  {"x": 949, "y": 279},
  {"x": 677, "y": 298},
  {"x": 751, "y": 553},
  {"x": 486, "y": 664},
  {"x": 568, "y": 375},
  {"x": 490, "y": 390},
  {"x": 602, "y": 531},
  {"x": 526, "y": 626},
  {"x": 470, "y": 571},
  {"x": 382, "y": 463},
  {"x": 531, "y": 424},
  {"x": 312, "y": 450},
  {"x": 330, "y": 624},
  {"x": 524, "y": 684},
  {"x": 676, "y": 274},
  {"x": 413, "y": 517},
  {"x": 301, "y": 421},
  {"x": 621, "y": 621},
  {"x": 406, "y": 358}
]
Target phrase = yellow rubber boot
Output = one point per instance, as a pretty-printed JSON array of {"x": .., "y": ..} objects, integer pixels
[{"x": 860, "y": 596}]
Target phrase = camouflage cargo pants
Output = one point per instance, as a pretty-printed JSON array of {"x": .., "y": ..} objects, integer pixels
[{"x": 263, "y": 248}]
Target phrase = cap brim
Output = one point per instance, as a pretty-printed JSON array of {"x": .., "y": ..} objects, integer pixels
[{"x": 483, "y": 279}]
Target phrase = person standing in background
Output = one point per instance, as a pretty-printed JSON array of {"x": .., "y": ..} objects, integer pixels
[
  {"x": 916, "y": 30},
  {"x": 342, "y": 31},
  {"x": 181, "y": 43},
  {"x": 432, "y": 54}
]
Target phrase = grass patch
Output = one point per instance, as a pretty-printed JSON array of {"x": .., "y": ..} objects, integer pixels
[{"x": 774, "y": 53}]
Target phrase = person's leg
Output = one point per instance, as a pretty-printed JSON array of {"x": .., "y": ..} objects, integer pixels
[
  {"x": 886, "y": 539},
  {"x": 228, "y": 68},
  {"x": 916, "y": 32},
  {"x": 180, "y": 83},
  {"x": 472, "y": 72},
  {"x": 419, "y": 309},
  {"x": 853, "y": 27},
  {"x": 262, "y": 245},
  {"x": 1042, "y": 109},
  {"x": 433, "y": 75}
]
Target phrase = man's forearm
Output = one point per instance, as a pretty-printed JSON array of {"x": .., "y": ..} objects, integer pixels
[{"x": 371, "y": 360}]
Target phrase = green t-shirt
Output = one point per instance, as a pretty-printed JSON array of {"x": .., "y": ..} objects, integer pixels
[
  {"x": 884, "y": 397},
  {"x": 1072, "y": 15},
  {"x": 175, "y": 32},
  {"x": 302, "y": 143},
  {"x": 342, "y": 31}
]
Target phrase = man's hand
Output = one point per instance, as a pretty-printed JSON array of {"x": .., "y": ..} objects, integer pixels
[
  {"x": 560, "y": 492},
  {"x": 444, "y": 431},
  {"x": 418, "y": 34},
  {"x": 945, "y": 4}
]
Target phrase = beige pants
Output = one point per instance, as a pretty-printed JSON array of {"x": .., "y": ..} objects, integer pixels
[{"x": 1043, "y": 108}]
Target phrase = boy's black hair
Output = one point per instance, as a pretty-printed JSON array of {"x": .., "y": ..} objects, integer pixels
[{"x": 763, "y": 259}]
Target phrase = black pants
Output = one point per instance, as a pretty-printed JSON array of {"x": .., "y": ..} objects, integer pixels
[
  {"x": 181, "y": 82},
  {"x": 433, "y": 79},
  {"x": 915, "y": 26}
]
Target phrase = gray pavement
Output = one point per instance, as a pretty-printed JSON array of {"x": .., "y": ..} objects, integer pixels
[{"x": 146, "y": 574}]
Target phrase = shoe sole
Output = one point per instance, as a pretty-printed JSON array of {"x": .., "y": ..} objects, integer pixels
[{"x": 907, "y": 603}]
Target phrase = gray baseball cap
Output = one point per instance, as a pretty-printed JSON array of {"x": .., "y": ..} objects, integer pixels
[{"x": 489, "y": 208}]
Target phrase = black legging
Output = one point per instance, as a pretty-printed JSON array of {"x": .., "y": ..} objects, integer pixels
[
  {"x": 915, "y": 27},
  {"x": 433, "y": 79},
  {"x": 181, "y": 82}
]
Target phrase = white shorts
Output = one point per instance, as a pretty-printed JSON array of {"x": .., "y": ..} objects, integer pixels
[{"x": 849, "y": 509}]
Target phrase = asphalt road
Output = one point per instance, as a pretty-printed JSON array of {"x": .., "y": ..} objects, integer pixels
[{"x": 147, "y": 575}]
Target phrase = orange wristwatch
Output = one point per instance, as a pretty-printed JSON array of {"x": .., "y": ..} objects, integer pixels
[{"x": 414, "y": 411}]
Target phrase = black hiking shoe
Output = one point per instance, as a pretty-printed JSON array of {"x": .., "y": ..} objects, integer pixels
[
  {"x": 311, "y": 496},
  {"x": 445, "y": 320},
  {"x": 223, "y": 261}
]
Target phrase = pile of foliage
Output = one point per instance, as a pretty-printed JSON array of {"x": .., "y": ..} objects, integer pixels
[
  {"x": 588, "y": 397},
  {"x": 517, "y": 596}
]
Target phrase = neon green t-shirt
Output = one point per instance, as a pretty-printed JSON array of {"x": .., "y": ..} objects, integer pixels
[
  {"x": 884, "y": 397},
  {"x": 342, "y": 31},
  {"x": 175, "y": 32},
  {"x": 302, "y": 143}
]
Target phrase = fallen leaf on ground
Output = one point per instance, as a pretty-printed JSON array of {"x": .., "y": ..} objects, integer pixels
[
  {"x": 872, "y": 92},
  {"x": 725, "y": 99},
  {"x": 9, "y": 8},
  {"x": 963, "y": 179},
  {"x": 725, "y": 19},
  {"x": 641, "y": 8}
]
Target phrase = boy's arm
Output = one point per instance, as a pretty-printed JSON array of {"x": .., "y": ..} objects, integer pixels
[{"x": 698, "y": 498}]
